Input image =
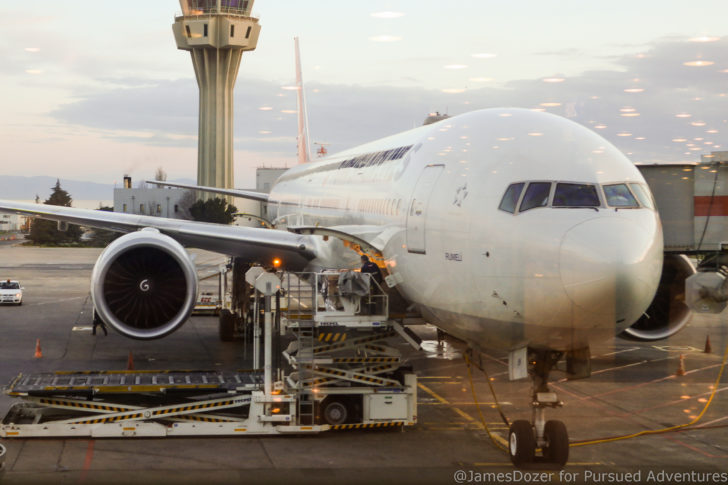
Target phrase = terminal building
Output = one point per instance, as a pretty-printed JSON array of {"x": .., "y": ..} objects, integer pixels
[
  {"x": 160, "y": 202},
  {"x": 12, "y": 222},
  {"x": 174, "y": 203}
]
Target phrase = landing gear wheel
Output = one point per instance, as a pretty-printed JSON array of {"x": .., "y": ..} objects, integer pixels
[
  {"x": 227, "y": 326},
  {"x": 335, "y": 412},
  {"x": 557, "y": 439},
  {"x": 521, "y": 443}
]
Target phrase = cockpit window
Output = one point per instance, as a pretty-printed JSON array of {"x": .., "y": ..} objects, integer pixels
[
  {"x": 632, "y": 195},
  {"x": 537, "y": 195},
  {"x": 643, "y": 195},
  {"x": 618, "y": 195},
  {"x": 575, "y": 195},
  {"x": 510, "y": 198}
]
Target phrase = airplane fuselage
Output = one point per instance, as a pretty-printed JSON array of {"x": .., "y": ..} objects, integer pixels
[{"x": 550, "y": 276}]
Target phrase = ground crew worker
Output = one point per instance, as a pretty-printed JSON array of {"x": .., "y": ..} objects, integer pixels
[
  {"x": 371, "y": 268},
  {"x": 98, "y": 323}
]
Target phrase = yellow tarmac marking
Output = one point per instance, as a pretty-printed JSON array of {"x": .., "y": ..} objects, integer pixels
[
  {"x": 432, "y": 393},
  {"x": 445, "y": 428},
  {"x": 500, "y": 440},
  {"x": 465, "y": 415},
  {"x": 421, "y": 403},
  {"x": 444, "y": 401}
]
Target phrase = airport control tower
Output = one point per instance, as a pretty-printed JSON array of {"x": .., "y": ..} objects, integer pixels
[{"x": 216, "y": 32}]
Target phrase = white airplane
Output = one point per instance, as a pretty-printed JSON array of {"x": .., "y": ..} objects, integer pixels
[{"x": 506, "y": 228}]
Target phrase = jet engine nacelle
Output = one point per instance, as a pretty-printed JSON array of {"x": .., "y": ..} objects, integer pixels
[
  {"x": 144, "y": 285},
  {"x": 668, "y": 312}
]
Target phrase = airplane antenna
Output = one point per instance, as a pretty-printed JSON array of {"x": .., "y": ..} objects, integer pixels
[{"x": 304, "y": 153}]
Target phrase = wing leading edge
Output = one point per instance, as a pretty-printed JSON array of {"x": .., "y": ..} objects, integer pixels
[{"x": 243, "y": 194}]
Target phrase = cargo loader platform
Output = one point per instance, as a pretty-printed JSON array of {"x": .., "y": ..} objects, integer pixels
[{"x": 341, "y": 373}]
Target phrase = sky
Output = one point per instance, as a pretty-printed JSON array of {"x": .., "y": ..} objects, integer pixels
[{"x": 94, "y": 90}]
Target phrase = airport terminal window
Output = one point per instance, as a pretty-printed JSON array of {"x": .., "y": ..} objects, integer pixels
[
  {"x": 537, "y": 195},
  {"x": 618, "y": 195},
  {"x": 575, "y": 195},
  {"x": 510, "y": 198},
  {"x": 643, "y": 195}
]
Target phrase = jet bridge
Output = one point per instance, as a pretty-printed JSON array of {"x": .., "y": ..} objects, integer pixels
[
  {"x": 340, "y": 369},
  {"x": 692, "y": 200}
]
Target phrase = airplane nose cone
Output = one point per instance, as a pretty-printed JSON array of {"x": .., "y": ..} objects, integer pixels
[{"x": 610, "y": 268}]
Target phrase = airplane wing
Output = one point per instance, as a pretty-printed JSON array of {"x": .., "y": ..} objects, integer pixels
[
  {"x": 243, "y": 194},
  {"x": 251, "y": 244}
]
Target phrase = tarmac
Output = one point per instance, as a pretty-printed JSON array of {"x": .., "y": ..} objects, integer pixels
[{"x": 634, "y": 387}]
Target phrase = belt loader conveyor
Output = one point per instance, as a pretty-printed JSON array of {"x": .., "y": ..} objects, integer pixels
[{"x": 147, "y": 404}]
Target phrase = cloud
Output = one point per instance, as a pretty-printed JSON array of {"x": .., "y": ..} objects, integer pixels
[
  {"x": 164, "y": 113},
  {"x": 166, "y": 106}
]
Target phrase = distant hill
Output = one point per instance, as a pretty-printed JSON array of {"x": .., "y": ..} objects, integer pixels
[{"x": 26, "y": 188}]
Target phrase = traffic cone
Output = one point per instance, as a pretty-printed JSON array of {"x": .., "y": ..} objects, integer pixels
[
  {"x": 708, "y": 348},
  {"x": 38, "y": 352},
  {"x": 681, "y": 367},
  {"x": 130, "y": 362}
]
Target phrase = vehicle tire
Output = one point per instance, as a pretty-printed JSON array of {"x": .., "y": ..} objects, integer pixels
[
  {"x": 334, "y": 412},
  {"x": 557, "y": 439},
  {"x": 521, "y": 443},
  {"x": 226, "y": 326}
]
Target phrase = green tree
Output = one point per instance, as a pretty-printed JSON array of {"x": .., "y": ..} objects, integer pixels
[
  {"x": 102, "y": 237},
  {"x": 46, "y": 232},
  {"x": 213, "y": 210}
]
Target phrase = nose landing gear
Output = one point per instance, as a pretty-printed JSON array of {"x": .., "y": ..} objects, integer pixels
[{"x": 551, "y": 437}]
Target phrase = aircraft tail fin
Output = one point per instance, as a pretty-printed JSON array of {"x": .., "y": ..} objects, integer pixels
[{"x": 304, "y": 150}]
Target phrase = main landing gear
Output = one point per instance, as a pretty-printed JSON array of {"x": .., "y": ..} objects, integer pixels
[{"x": 525, "y": 437}]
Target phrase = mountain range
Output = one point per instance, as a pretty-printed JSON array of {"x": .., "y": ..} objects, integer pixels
[{"x": 26, "y": 188}]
